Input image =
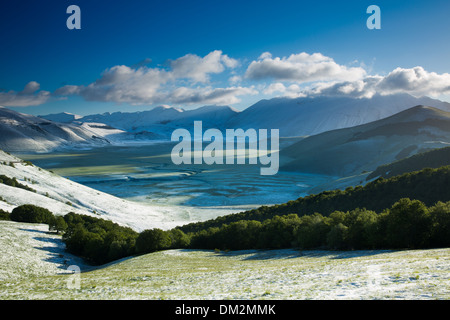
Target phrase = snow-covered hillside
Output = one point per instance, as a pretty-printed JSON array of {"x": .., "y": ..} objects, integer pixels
[
  {"x": 293, "y": 117},
  {"x": 26, "y": 133},
  {"x": 161, "y": 121},
  {"x": 62, "y": 196},
  {"x": 63, "y": 117}
]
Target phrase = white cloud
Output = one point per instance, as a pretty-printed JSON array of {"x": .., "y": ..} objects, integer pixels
[
  {"x": 364, "y": 88},
  {"x": 301, "y": 68},
  {"x": 29, "y": 96},
  {"x": 265, "y": 55},
  {"x": 279, "y": 89},
  {"x": 185, "y": 82},
  {"x": 415, "y": 81},
  {"x": 219, "y": 96},
  {"x": 144, "y": 85},
  {"x": 198, "y": 69},
  {"x": 192, "y": 79},
  {"x": 235, "y": 79},
  {"x": 275, "y": 87},
  {"x": 124, "y": 84}
]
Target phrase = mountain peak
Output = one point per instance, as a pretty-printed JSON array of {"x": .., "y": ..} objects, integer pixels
[{"x": 420, "y": 113}]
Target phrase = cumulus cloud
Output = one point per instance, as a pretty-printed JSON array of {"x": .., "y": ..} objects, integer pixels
[
  {"x": 29, "y": 96},
  {"x": 124, "y": 84},
  {"x": 209, "y": 95},
  {"x": 301, "y": 68},
  {"x": 279, "y": 89},
  {"x": 192, "y": 79},
  {"x": 415, "y": 81},
  {"x": 198, "y": 69},
  {"x": 144, "y": 85},
  {"x": 365, "y": 88}
]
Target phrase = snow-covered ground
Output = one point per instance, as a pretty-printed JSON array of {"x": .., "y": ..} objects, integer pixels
[
  {"x": 33, "y": 266},
  {"x": 145, "y": 174},
  {"x": 61, "y": 196},
  {"x": 29, "y": 250}
]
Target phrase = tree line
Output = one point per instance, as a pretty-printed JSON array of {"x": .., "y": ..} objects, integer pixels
[
  {"x": 408, "y": 224},
  {"x": 98, "y": 240},
  {"x": 336, "y": 220},
  {"x": 427, "y": 185}
]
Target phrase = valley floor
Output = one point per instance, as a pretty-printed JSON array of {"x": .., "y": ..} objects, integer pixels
[{"x": 33, "y": 265}]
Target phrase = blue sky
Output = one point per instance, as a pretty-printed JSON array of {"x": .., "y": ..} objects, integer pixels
[{"x": 134, "y": 55}]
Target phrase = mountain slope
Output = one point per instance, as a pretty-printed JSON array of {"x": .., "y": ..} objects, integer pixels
[
  {"x": 431, "y": 159},
  {"x": 163, "y": 120},
  {"x": 349, "y": 151},
  {"x": 427, "y": 185},
  {"x": 25, "y": 133},
  {"x": 61, "y": 196},
  {"x": 314, "y": 115}
]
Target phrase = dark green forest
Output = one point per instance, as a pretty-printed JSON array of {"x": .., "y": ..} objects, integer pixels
[
  {"x": 427, "y": 185},
  {"x": 409, "y": 211},
  {"x": 408, "y": 224},
  {"x": 434, "y": 158}
]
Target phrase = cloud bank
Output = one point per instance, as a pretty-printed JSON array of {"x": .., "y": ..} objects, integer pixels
[
  {"x": 415, "y": 81},
  {"x": 186, "y": 81},
  {"x": 219, "y": 79},
  {"x": 29, "y": 96},
  {"x": 301, "y": 68}
]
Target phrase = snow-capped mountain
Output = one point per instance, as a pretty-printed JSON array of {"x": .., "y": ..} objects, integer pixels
[
  {"x": 25, "y": 133},
  {"x": 293, "y": 117},
  {"x": 163, "y": 120},
  {"x": 313, "y": 115},
  {"x": 63, "y": 117}
]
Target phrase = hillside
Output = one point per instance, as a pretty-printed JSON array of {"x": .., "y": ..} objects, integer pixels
[
  {"x": 430, "y": 159},
  {"x": 25, "y": 133},
  {"x": 61, "y": 196},
  {"x": 365, "y": 147},
  {"x": 207, "y": 275},
  {"x": 427, "y": 185},
  {"x": 161, "y": 121}
]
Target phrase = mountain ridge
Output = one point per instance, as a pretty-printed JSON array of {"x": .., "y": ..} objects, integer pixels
[
  {"x": 348, "y": 151},
  {"x": 292, "y": 116},
  {"x": 21, "y": 132},
  {"x": 298, "y": 117}
]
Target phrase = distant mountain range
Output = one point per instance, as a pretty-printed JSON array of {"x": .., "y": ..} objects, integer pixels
[
  {"x": 163, "y": 120},
  {"x": 23, "y": 133},
  {"x": 293, "y": 117},
  {"x": 310, "y": 116}
]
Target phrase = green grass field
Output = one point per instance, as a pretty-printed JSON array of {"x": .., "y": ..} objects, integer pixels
[{"x": 194, "y": 274}]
